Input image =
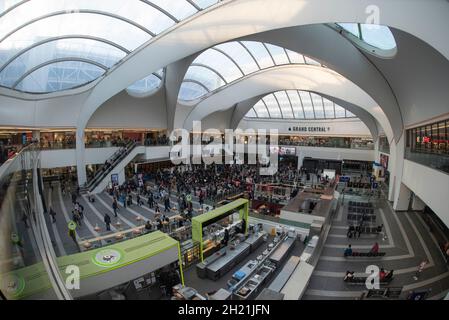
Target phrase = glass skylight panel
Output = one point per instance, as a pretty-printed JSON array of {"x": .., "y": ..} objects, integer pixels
[
  {"x": 219, "y": 62},
  {"x": 329, "y": 109},
  {"x": 339, "y": 112},
  {"x": 273, "y": 106},
  {"x": 240, "y": 55},
  {"x": 180, "y": 9},
  {"x": 136, "y": 11},
  {"x": 278, "y": 53},
  {"x": 261, "y": 110},
  {"x": 60, "y": 76},
  {"x": 206, "y": 76},
  {"x": 349, "y": 114},
  {"x": 284, "y": 104},
  {"x": 295, "y": 57},
  {"x": 312, "y": 61},
  {"x": 375, "y": 35},
  {"x": 378, "y": 36},
  {"x": 145, "y": 85},
  {"x": 307, "y": 104},
  {"x": 127, "y": 24},
  {"x": 191, "y": 91},
  {"x": 99, "y": 52},
  {"x": 261, "y": 54},
  {"x": 318, "y": 105},
  {"x": 205, "y": 3},
  {"x": 296, "y": 104},
  {"x": 251, "y": 113},
  {"x": 289, "y": 104},
  {"x": 351, "y": 28},
  {"x": 103, "y": 27},
  {"x": 6, "y": 4}
]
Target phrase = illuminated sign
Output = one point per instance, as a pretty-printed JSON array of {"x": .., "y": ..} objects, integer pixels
[{"x": 309, "y": 129}]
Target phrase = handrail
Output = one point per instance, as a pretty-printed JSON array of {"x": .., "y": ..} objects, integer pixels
[{"x": 117, "y": 157}]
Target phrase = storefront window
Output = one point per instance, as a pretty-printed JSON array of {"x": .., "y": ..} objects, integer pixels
[
  {"x": 331, "y": 142},
  {"x": 429, "y": 145}
]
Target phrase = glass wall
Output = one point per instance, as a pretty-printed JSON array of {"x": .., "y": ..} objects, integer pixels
[
  {"x": 330, "y": 142},
  {"x": 22, "y": 269},
  {"x": 384, "y": 145},
  {"x": 101, "y": 138},
  {"x": 429, "y": 145}
]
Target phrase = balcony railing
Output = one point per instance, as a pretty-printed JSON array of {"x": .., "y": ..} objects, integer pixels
[{"x": 432, "y": 160}]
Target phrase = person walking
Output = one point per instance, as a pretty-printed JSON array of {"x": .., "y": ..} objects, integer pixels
[
  {"x": 76, "y": 217},
  {"x": 81, "y": 211},
  {"x": 421, "y": 267},
  {"x": 25, "y": 219},
  {"x": 107, "y": 221},
  {"x": 52, "y": 215}
]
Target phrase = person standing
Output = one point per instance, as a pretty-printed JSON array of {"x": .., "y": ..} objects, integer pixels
[
  {"x": 150, "y": 200},
  {"x": 115, "y": 206},
  {"x": 167, "y": 204},
  {"x": 107, "y": 221},
  {"x": 375, "y": 248},
  {"x": 348, "y": 251},
  {"x": 72, "y": 233},
  {"x": 139, "y": 201}
]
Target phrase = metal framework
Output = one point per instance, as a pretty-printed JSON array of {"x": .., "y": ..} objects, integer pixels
[
  {"x": 77, "y": 36},
  {"x": 211, "y": 69},
  {"x": 301, "y": 106},
  {"x": 104, "y": 12},
  {"x": 197, "y": 82},
  {"x": 253, "y": 57},
  {"x": 230, "y": 58},
  {"x": 53, "y": 61},
  {"x": 168, "y": 14},
  {"x": 64, "y": 12}
]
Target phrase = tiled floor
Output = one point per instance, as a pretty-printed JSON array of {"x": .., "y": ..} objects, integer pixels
[{"x": 407, "y": 243}]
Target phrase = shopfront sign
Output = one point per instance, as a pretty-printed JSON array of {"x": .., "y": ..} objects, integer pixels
[{"x": 309, "y": 129}]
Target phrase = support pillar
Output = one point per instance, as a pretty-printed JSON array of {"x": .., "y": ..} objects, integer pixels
[
  {"x": 80, "y": 154},
  {"x": 402, "y": 201}
]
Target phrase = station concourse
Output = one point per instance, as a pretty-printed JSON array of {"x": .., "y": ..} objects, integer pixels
[{"x": 224, "y": 150}]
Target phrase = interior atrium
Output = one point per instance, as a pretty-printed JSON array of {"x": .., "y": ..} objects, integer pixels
[{"x": 224, "y": 150}]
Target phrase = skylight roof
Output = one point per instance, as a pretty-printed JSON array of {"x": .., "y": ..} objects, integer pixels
[
  {"x": 43, "y": 42},
  {"x": 230, "y": 61},
  {"x": 297, "y": 104}
]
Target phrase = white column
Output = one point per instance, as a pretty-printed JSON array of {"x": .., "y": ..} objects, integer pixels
[
  {"x": 403, "y": 198},
  {"x": 80, "y": 153},
  {"x": 398, "y": 164}
]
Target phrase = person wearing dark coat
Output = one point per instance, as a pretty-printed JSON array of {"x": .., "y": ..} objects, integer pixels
[{"x": 107, "y": 220}]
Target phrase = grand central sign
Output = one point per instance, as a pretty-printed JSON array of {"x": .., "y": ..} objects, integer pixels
[{"x": 309, "y": 129}]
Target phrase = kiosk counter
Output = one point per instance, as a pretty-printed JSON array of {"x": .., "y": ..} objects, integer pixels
[{"x": 99, "y": 269}]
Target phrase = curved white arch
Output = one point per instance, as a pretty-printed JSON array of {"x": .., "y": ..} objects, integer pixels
[
  {"x": 308, "y": 78},
  {"x": 245, "y": 17}
]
